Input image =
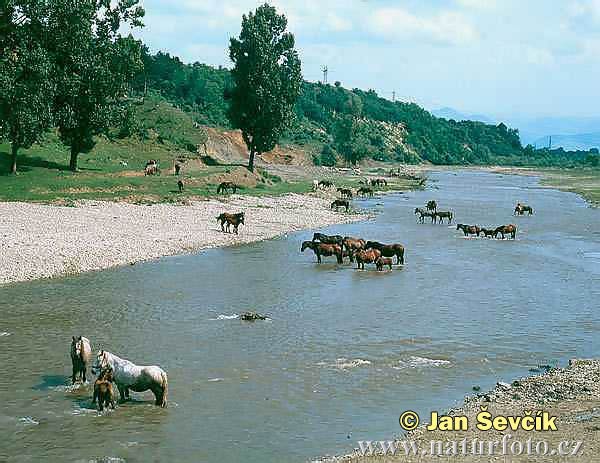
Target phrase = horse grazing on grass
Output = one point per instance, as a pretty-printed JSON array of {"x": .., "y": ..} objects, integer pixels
[
  {"x": 345, "y": 192},
  {"x": 520, "y": 209},
  {"x": 180, "y": 185},
  {"x": 488, "y": 232},
  {"x": 379, "y": 263},
  {"x": 224, "y": 187},
  {"x": 231, "y": 219},
  {"x": 444, "y": 214},
  {"x": 423, "y": 213},
  {"x": 431, "y": 206},
  {"x": 364, "y": 191},
  {"x": 325, "y": 183},
  {"x": 81, "y": 356},
  {"x": 469, "y": 229},
  {"x": 388, "y": 250},
  {"x": 379, "y": 182},
  {"x": 329, "y": 239},
  {"x": 509, "y": 229},
  {"x": 104, "y": 392},
  {"x": 340, "y": 203},
  {"x": 137, "y": 378},
  {"x": 366, "y": 257},
  {"x": 322, "y": 249}
]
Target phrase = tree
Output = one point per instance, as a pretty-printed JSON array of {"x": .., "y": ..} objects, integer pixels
[
  {"x": 351, "y": 139},
  {"x": 266, "y": 78},
  {"x": 25, "y": 86},
  {"x": 93, "y": 65}
]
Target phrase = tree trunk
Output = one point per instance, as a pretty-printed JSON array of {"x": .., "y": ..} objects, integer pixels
[
  {"x": 13, "y": 165},
  {"x": 251, "y": 161},
  {"x": 73, "y": 162}
]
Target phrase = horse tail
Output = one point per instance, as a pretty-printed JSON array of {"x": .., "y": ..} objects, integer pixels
[{"x": 165, "y": 389}]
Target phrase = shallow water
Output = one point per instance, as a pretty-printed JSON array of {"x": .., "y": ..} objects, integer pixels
[{"x": 345, "y": 351}]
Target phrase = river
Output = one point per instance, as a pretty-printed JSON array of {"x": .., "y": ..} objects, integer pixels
[{"x": 344, "y": 351}]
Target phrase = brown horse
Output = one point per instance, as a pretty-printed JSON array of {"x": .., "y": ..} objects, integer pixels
[
  {"x": 444, "y": 214},
  {"x": 81, "y": 355},
  {"x": 340, "y": 203},
  {"x": 224, "y": 187},
  {"x": 520, "y": 209},
  {"x": 328, "y": 239},
  {"x": 366, "y": 257},
  {"x": 510, "y": 229},
  {"x": 104, "y": 392},
  {"x": 388, "y": 250},
  {"x": 364, "y": 191},
  {"x": 431, "y": 205},
  {"x": 351, "y": 245},
  {"x": 488, "y": 232},
  {"x": 325, "y": 183},
  {"x": 231, "y": 219},
  {"x": 383, "y": 261},
  {"x": 322, "y": 249},
  {"x": 345, "y": 192},
  {"x": 423, "y": 213},
  {"x": 379, "y": 182},
  {"x": 469, "y": 229},
  {"x": 180, "y": 185}
]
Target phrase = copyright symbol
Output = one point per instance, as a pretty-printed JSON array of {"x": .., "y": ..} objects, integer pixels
[{"x": 409, "y": 420}]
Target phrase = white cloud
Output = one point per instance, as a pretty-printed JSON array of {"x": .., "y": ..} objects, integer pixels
[
  {"x": 446, "y": 27},
  {"x": 478, "y": 4}
]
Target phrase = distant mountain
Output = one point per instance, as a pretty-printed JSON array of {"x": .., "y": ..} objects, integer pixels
[
  {"x": 534, "y": 130},
  {"x": 581, "y": 141},
  {"x": 450, "y": 113}
]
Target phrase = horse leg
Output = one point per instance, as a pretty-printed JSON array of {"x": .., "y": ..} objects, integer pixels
[
  {"x": 74, "y": 376},
  {"x": 121, "y": 392}
]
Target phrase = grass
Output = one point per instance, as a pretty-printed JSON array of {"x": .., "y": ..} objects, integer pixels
[{"x": 584, "y": 181}]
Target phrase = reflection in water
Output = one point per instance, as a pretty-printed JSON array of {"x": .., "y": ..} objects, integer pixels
[{"x": 344, "y": 353}]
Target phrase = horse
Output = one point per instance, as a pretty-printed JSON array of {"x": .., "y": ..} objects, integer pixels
[
  {"x": 388, "y": 250},
  {"x": 151, "y": 169},
  {"x": 366, "y": 257},
  {"x": 224, "y": 187},
  {"x": 488, "y": 232},
  {"x": 431, "y": 206},
  {"x": 231, "y": 219},
  {"x": 379, "y": 182},
  {"x": 520, "y": 209},
  {"x": 351, "y": 245},
  {"x": 379, "y": 263},
  {"x": 510, "y": 229},
  {"x": 423, "y": 213},
  {"x": 177, "y": 168},
  {"x": 323, "y": 249},
  {"x": 444, "y": 214},
  {"x": 138, "y": 378},
  {"x": 340, "y": 203},
  {"x": 180, "y": 185},
  {"x": 469, "y": 229},
  {"x": 81, "y": 355},
  {"x": 104, "y": 393},
  {"x": 345, "y": 192},
  {"x": 325, "y": 183},
  {"x": 364, "y": 191},
  {"x": 328, "y": 239}
]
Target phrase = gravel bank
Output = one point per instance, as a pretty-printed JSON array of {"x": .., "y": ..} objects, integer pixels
[
  {"x": 571, "y": 394},
  {"x": 42, "y": 241}
]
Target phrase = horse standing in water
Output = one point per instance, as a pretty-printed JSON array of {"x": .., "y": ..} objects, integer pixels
[
  {"x": 469, "y": 229},
  {"x": 388, "y": 250},
  {"x": 423, "y": 213},
  {"x": 81, "y": 355},
  {"x": 322, "y": 249},
  {"x": 431, "y": 206},
  {"x": 138, "y": 378},
  {"x": 520, "y": 209},
  {"x": 510, "y": 229}
]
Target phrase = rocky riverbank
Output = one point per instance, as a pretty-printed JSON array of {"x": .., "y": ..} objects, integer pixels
[
  {"x": 571, "y": 394},
  {"x": 43, "y": 241}
]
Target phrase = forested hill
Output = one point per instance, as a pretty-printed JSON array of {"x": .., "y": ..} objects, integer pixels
[{"x": 336, "y": 123}]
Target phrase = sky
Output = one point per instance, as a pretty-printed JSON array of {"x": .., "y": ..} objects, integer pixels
[{"x": 501, "y": 58}]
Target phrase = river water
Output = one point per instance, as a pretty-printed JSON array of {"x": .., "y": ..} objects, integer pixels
[{"x": 345, "y": 351}]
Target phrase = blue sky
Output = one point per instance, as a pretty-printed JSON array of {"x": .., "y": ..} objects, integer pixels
[{"x": 503, "y": 58}]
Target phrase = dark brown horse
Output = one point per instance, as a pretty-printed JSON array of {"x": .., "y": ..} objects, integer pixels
[
  {"x": 510, "y": 229},
  {"x": 325, "y": 183},
  {"x": 329, "y": 239},
  {"x": 520, "y": 209},
  {"x": 423, "y": 213},
  {"x": 444, "y": 214},
  {"x": 345, "y": 192},
  {"x": 388, "y": 250},
  {"x": 104, "y": 392},
  {"x": 431, "y": 205},
  {"x": 379, "y": 182},
  {"x": 351, "y": 245},
  {"x": 366, "y": 257},
  {"x": 227, "y": 220},
  {"x": 180, "y": 185},
  {"x": 340, "y": 203},
  {"x": 322, "y": 249},
  {"x": 224, "y": 187},
  {"x": 469, "y": 229},
  {"x": 488, "y": 232},
  {"x": 364, "y": 191},
  {"x": 383, "y": 261}
]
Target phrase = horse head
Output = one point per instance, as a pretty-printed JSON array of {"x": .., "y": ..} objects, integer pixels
[
  {"x": 306, "y": 244},
  {"x": 102, "y": 362}
]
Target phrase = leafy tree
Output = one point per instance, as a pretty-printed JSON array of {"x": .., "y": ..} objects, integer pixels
[
  {"x": 351, "y": 139},
  {"x": 266, "y": 77},
  {"x": 25, "y": 86},
  {"x": 93, "y": 64}
]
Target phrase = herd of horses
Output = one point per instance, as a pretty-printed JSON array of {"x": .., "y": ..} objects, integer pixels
[{"x": 113, "y": 370}]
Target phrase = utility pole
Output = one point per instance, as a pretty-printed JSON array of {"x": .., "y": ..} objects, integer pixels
[
  {"x": 394, "y": 96},
  {"x": 325, "y": 71},
  {"x": 550, "y": 143}
]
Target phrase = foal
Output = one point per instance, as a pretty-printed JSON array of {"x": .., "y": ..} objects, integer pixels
[{"x": 104, "y": 392}]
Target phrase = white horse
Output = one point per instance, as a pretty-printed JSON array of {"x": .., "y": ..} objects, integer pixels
[{"x": 138, "y": 378}]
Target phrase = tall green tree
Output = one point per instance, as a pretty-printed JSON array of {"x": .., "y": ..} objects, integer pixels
[
  {"x": 93, "y": 66},
  {"x": 266, "y": 77},
  {"x": 26, "y": 89}
]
